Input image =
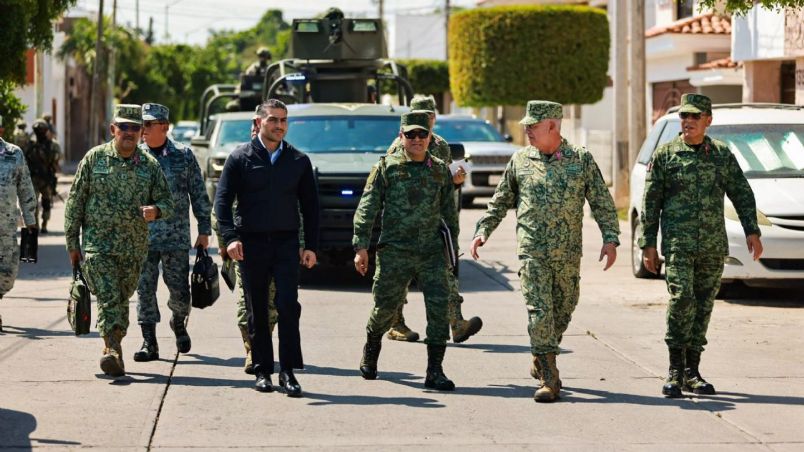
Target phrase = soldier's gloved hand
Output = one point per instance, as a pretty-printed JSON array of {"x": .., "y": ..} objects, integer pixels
[
  {"x": 477, "y": 242},
  {"x": 650, "y": 259},
  {"x": 754, "y": 245},
  {"x": 203, "y": 241},
  {"x": 235, "y": 250},
  {"x": 76, "y": 257},
  {"x": 361, "y": 261},
  {"x": 609, "y": 250}
]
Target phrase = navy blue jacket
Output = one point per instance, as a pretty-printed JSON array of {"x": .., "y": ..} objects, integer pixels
[{"x": 268, "y": 196}]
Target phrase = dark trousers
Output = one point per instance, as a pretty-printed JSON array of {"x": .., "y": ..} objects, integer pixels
[{"x": 266, "y": 257}]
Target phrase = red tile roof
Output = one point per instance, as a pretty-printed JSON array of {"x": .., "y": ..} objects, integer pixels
[
  {"x": 723, "y": 63},
  {"x": 706, "y": 24}
]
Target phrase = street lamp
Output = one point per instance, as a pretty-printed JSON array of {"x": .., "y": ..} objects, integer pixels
[{"x": 167, "y": 13}]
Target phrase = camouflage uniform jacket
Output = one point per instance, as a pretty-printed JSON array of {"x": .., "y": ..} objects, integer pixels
[
  {"x": 187, "y": 186},
  {"x": 438, "y": 147},
  {"x": 684, "y": 190},
  {"x": 103, "y": 209},
  {"x": 413, "y": 198},
  {"x": 549, "y": 194},
  {"x": 21, "y": 139},
  {"x": 15, "y": 184},
  {"x": 43, "y": 159}
]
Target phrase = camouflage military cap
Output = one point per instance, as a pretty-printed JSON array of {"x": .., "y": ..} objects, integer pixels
[
  {"x": 21, "y": 124},
  {"x": 40, "y": 124},
  {"x": 426, "y": 103},
  {"x": 539, "y": 110},
  {"x": 695, "y": 103},
  {"x": 155, "y": 112},
  {"x": 263, "y": 52},
  {"x": 127, "y": 113},
  {"x": 415, "y": 120}
]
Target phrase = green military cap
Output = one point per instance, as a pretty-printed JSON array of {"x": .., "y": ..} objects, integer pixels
[
  {"x": 415, "y": 120},
  {"x": 426, "y": 103},
  {"x": 264, "y": 52},
  {"x": 40, "y": 124},
  {"x": 155, "y": 112},
  {"x": 127, "y": 113},
  {"x": 695, "y": 103},
  {"x": 539, "y": 110}
]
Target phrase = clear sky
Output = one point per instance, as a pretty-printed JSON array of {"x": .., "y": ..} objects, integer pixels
[{"x": 190, "y": 20}]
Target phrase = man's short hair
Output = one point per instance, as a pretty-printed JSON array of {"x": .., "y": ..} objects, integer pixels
[{"x": 268, "y": 104}]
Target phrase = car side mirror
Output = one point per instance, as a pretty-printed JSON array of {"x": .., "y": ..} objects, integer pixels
[
  {"x": 457, "y": 151},
  {"x": 199, "y": 141},
  {"x": 508, "y": 138}
]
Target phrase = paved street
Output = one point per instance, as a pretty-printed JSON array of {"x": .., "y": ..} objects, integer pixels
[{"x": 612, "y": 365}]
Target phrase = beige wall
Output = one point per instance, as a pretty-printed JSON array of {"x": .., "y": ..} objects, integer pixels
[{"x": 762, "y": 82}]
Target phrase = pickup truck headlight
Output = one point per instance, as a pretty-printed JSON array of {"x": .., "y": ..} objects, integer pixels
[{"x": 731, "y": 213}]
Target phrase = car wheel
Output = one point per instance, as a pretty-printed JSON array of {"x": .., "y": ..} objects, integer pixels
[
  {"x": 637, "y": 267},
  {"x": 467, "y": 201}
]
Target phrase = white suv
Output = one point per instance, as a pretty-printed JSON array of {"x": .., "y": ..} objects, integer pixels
[{"x": 768, "y": 141}]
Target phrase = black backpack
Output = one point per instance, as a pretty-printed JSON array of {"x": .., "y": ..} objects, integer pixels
[
  {"x": 204, "y": 285},
  {"x": 79, "y": 306}
]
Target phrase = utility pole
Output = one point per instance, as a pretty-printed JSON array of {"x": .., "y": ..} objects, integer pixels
[
  {"x": 96, "y": 77},
  {"x": 620, "y": 178},
  {"x": 111, "y": 68},
  {"x": 636, "y": 99},
  {"x": 137, "y": 7},
  {"x": 446, "y": 30},
  {"x": 380, "y": 7}
]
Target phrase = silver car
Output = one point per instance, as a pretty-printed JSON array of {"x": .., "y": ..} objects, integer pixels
[
  {"x": 768, "y": 141},
  {"x": 487, "y": 152}
]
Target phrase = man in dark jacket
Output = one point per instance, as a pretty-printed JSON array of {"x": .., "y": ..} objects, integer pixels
[{"x": 271, "y": 181}]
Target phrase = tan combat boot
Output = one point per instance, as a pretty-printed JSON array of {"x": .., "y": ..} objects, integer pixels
[
  {"x": 545, "y": 365},
  {"x": 111, "y": 363},
  {"x": 461, "y": 329},
  {"x": 249, "y": 366},
  {"x": 399, "y": 331}
]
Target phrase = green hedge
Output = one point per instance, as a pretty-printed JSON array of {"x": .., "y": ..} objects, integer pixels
[
  {"x": 509, "y": 55},
  {"x": 427, "y": 76}
]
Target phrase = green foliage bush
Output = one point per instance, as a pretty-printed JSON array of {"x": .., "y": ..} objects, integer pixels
[
  {"x": 11, "y": 108},
  {"x": 509, "y": 55},
  {"x": 427, "y": 76}
]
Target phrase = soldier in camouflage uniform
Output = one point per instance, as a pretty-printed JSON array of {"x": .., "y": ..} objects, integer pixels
[
  {"x": 169, "y": 240},
  {"x": 461, "y": 329},
  {"x": 548, "y": 183},
  {"x": 414, "y": 192},
  {"x": 43, "y": 161},
  {"x": 15, "y": 184},
  {"x": 260, "y": 67},
  {"x": 684, "y": 189},
  {"x": 118, "y": 189},
  {"x": 21, "y": 137}
]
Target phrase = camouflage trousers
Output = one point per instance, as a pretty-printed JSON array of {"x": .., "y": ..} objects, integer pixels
[
  {"x": 9, "y": 260},
  {"x": 175, "y": 273},
  {"x": 242, "y": 318},
  {"x": 113, "y": 280},
  {"x": 395, "y": 270},
  {"x": 454, "y": 312},
  {"x": 551, "y": 290},
  {"x": 44, "y": 192},
  {"x": 693, "y": 282}
]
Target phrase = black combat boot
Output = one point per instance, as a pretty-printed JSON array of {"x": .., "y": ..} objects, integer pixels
[
  {"x": 435, "y": 378},
  {"x": 177, "y": 324},
  {"x": 371, "y": 353},
  {"x": 672, "y": 386},
  {"x": 693, "y": 381},
  {"x": 150, "y": 349}
]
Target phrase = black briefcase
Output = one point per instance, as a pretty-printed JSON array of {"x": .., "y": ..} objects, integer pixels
[
  {"x": 450, "y": 253},
  {"x": 29, "y": 245},
  {"x": 204, "y": 284},
  {"x": 79, "y": 306},
  {"x": 228, "y": 273}
]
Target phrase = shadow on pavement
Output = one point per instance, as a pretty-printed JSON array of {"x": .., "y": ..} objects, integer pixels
[
  {"x": 329, "y": 399},
  {"x": 598, "y": 396},
  {"x": 39, "y": 333},
  {"x": 140, "y": 377},
  {"x": 213, "y": 361},
  {"x": 739, "y": 397},
  {"x": 497, "y": 348},
  {"x": 16, "y": 430},
  {"x": 53, "y": 262},
  {"x": 765, "y": 297}
]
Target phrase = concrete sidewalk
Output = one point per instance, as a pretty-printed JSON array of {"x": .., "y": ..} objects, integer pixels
[{"x": 53, "y": 395}]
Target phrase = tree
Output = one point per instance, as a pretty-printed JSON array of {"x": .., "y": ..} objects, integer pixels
[
  {"x": 26, "y": 24},
  {"x": 509, "y": 55},
  {"x": 742, "y": 6},
  {"x": 11, "y": 108}
]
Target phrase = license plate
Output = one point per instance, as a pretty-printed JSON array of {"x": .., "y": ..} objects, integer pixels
[{"x": 494, "y": 179}]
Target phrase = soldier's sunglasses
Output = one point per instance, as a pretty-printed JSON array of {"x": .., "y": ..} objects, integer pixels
[
  {"x": 418, "y": 133},
  {"x": 148, "y": 124},
  {"x": 686, "y": 115},
  {"x": 128, "y": 127}
]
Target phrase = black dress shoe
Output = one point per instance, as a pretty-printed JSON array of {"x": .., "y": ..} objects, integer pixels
[
  {"x": 263, "y": 383},
  {"x": 288, "y": 382}
]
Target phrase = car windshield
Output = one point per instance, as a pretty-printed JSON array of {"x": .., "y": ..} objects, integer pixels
[
  {"x": 342, "y": 133},
  {"x": 467, "y": 130},
  {"x": 234, "y": 132},
  {"x": 762, "y": 150}
]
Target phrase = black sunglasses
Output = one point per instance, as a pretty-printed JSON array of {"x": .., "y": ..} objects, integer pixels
[
  {"x": 417, "y": 133},
  {"x": 686, "y": 115},
  {"x": 128, "y": 127}
]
